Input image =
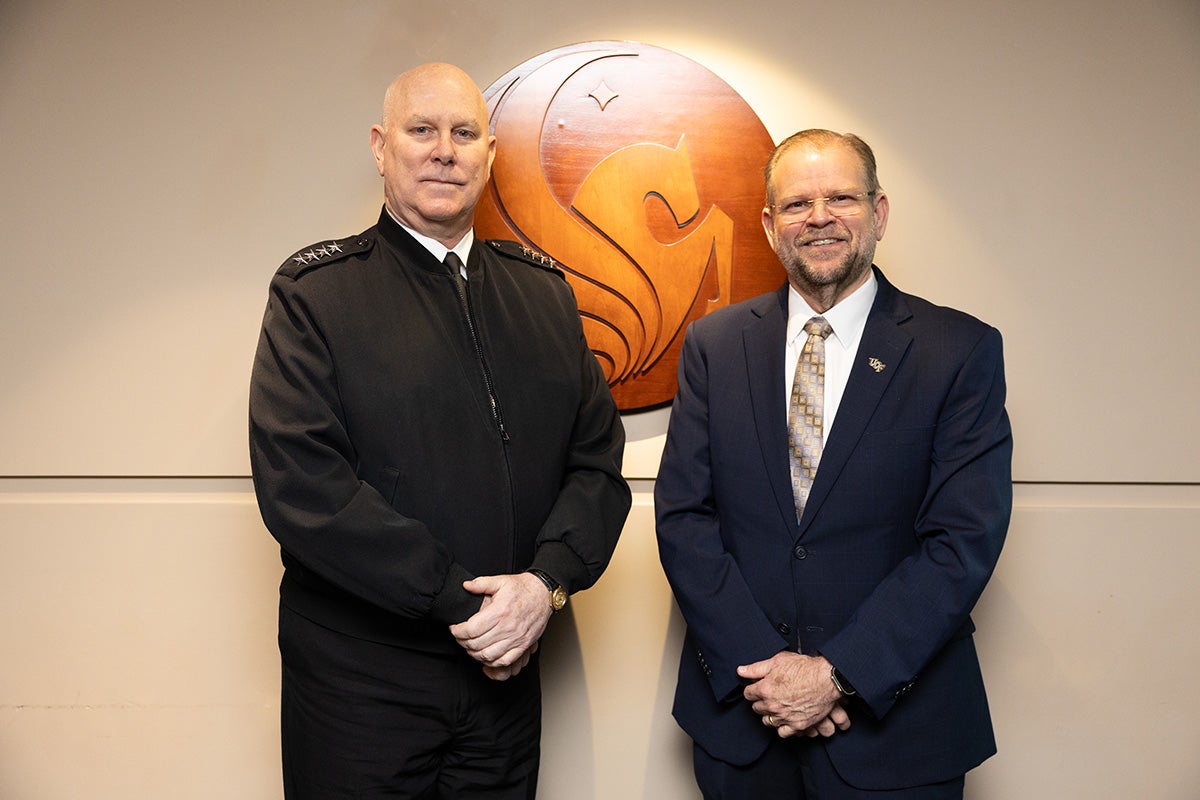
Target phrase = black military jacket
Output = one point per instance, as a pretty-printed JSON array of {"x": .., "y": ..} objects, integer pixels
[{"x": 409, "y": 430}]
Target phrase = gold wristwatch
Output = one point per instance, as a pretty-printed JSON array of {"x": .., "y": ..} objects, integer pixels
[{"x": 558, "y": 595}]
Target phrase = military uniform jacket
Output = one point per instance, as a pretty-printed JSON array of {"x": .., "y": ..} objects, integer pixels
[{"x": 409, "y": 431}]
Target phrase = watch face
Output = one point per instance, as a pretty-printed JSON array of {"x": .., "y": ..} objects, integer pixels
[{"x": 558, "y": 598}]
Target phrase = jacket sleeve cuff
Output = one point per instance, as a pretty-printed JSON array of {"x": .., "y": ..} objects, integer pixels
[
  {"x": 454, "y": 604},
  {"x": 560, "y": 563}
]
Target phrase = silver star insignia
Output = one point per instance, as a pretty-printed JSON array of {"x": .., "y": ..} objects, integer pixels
[{"x": 334, "y": 247}]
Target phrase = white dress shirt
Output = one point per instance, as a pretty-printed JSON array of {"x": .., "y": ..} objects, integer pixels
[
  {"x": 439, "y": 250},
  {"x": 848, "y": 319}
]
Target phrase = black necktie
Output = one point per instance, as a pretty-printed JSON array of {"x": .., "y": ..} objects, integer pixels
[{"x": 454, "y": 264}]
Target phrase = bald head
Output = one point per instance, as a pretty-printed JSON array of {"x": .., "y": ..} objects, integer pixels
[
  {"x": 445, "y": 79},
  {"x": 433, "y": 150}
]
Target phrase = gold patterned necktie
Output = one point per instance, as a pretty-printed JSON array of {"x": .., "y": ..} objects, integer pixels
[{"x": 806, "y": 411}]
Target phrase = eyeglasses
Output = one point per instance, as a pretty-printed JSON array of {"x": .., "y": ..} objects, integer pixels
[{"x": 838, "y": 205}]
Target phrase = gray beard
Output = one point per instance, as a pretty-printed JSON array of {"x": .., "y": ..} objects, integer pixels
[{"x": 851, "y": 269}]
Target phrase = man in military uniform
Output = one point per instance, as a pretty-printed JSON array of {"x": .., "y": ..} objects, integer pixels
[{"x": 435, "y": 449}]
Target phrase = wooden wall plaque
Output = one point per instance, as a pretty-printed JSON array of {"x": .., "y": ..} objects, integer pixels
[{"x": 640, "y": 173}]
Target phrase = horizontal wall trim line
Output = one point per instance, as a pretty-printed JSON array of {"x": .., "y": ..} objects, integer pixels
[
  {"x": 42, "y": 490},
  {"x": 631, "y": 480}
]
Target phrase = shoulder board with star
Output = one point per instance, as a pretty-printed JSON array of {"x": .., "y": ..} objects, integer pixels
[
  {"x": 326, "y": 252},
  {"x": 526, "y": 254}
]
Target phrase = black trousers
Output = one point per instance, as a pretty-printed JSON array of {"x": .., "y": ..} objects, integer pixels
[
  {"x": 798, "y": 768},
  {"x": 362, "y": 719}
]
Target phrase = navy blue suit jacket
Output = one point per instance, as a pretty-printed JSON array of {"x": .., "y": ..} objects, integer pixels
[{"x": 905, "y": 522}]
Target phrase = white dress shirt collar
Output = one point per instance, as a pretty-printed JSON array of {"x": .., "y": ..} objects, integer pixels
[
  {"x": 436, "y": 248},
  {"x": 848, "y": 318}
]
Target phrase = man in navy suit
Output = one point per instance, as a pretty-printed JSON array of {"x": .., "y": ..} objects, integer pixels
[{"x": 829, "y": 649}]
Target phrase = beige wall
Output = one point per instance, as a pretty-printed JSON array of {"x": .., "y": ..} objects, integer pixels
[{"x": 159, "y": 160}]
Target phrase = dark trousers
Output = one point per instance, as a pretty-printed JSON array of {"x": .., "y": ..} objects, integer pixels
[
  {"x": 363, "y": 719},
  {"x": 798, "y": 769}
]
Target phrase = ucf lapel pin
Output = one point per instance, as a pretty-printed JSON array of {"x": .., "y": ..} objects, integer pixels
[{"x": 876, "y": 364}]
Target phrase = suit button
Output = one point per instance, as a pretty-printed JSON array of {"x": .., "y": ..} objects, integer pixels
[
  {"x": 783, "y": 628},
  {"x": 801, "y": 552}
]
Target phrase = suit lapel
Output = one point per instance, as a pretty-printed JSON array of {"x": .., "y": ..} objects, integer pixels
[
  {"x": 880, "y": 352},
  {"x": 763, "y": 341}
]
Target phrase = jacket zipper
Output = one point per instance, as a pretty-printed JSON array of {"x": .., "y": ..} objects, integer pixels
[{"x": 464, "y": 300}]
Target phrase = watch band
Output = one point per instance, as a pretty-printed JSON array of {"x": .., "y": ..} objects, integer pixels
[
  {"x": 558, "y": 595},
  {"x": 840, "y": 682},
  {"x": 551, "y": 584}
]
